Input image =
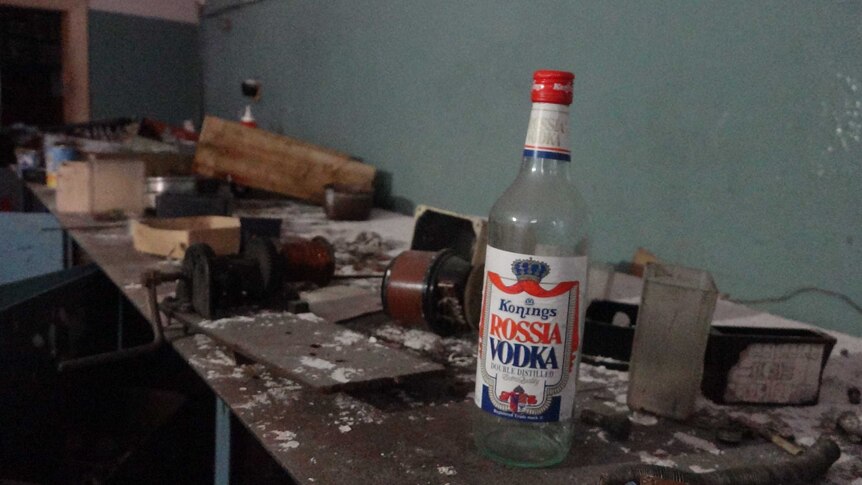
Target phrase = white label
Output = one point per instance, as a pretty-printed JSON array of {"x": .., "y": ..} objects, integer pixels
[
  {"x": 548, "y": 132},
  {"x": 529, "y": 334},
  {"x": 773, "y": 373}
]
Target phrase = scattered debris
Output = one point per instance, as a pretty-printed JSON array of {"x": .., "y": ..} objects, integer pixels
[
  {"x": 460, "y": 352},
  {"x": 770, "y": 434},
  {"x": 805, "y": 468},
  {"x": 850, "y": 424},
  {"x": 260, "y": 399},
  {"x": 617, "y": 425},
  {"x": 412, "y": 339},
  {"x": 286, "y": 439},
  {"x": 345, "y": 374},
  {"x": 699, "y": 443},
  {"x": 223, "y": 322},
  {"x": 316, "y": 363},
  {"x": 348, "y": 337},
  {"x": 352, "y": 411},
  {"x": 651, "y": 460},
  {"x": 643, "y": 419},
  {"x": 447, "y": 470},
  {"x": 309, "y": 317},
  {"x": 730, "y": 435},
  {"x": 220, "y": 357},
  {"x": 367, "y": 253},
  {"x": 854, "y": 395},
  {"x": 806, "y": 441},
  {"x": 298, "y": 306}
]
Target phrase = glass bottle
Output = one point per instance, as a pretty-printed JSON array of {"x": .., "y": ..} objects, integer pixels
[{"x": 534, "y": 295}]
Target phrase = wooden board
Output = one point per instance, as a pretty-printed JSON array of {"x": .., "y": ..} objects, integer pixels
[
  {"x": 171, "y": 237},
  {"x": 264, "y": 160},
  {"x": 321, "y": 354}
]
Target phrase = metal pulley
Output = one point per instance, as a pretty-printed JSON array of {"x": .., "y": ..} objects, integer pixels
[
  {"x": 209, "y": 284},
  {"x": 438, "y": 288}
]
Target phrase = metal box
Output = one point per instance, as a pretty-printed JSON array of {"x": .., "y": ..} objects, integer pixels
[{"x": 745, "y": 365}]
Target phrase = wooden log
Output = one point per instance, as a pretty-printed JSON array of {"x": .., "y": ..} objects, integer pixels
[{"x": 260, "y": 159}]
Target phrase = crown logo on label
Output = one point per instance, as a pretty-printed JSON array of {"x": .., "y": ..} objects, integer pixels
[{"x": 530, "y": 269}]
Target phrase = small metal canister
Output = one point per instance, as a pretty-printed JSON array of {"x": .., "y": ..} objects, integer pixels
[{"x": 434, "y": 287}]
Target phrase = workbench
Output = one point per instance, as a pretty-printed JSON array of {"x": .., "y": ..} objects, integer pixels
[{"x": 418, "y": 430}]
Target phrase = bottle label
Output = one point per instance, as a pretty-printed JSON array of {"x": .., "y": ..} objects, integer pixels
[
  {"x": 529, "y": 335},
  {"x": 548, "y": 132}
]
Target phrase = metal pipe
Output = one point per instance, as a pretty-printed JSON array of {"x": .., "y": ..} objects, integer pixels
[
  {"x": 803, "y": 469},
  {"x": 151, "y": 280}
]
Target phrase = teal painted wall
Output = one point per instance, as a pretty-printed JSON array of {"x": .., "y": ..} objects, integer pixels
[
  {"x": 144, "y": 67},
  {"x": 722, "y": 134}
]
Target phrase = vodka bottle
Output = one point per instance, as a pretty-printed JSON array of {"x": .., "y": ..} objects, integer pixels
[{"x": 533, "y": 298}]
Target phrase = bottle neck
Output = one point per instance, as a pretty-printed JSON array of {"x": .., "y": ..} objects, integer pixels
[{"x": 546, "y": 149}]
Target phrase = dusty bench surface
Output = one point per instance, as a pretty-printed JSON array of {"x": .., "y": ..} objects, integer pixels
[{"x": 417, "y": 429}]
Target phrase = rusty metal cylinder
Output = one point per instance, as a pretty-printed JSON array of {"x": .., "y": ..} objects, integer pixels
[
  {"x": 428, "y": 287},
  {"x": 308, "y": 260}
]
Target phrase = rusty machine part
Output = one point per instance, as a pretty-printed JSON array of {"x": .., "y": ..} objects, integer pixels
[
  {"x": 345, "y": 202},
  {"x": 209, "y": 284},
  {"x": 308, "y": 260},
  {"x": 212, "y": 283},
  {"x": 430, "y": 287}
]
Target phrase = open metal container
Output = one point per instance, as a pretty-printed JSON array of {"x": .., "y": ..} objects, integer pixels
[{"x": 746, "y": 365}]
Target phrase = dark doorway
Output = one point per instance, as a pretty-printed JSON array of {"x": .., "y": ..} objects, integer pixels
[{"x": 31, "y": 87}]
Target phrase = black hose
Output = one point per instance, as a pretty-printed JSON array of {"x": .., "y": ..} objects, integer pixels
[{"x": 805, "y": 468}]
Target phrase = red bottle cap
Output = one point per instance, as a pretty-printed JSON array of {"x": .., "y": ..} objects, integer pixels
[{"x": 552, "y": 87}]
